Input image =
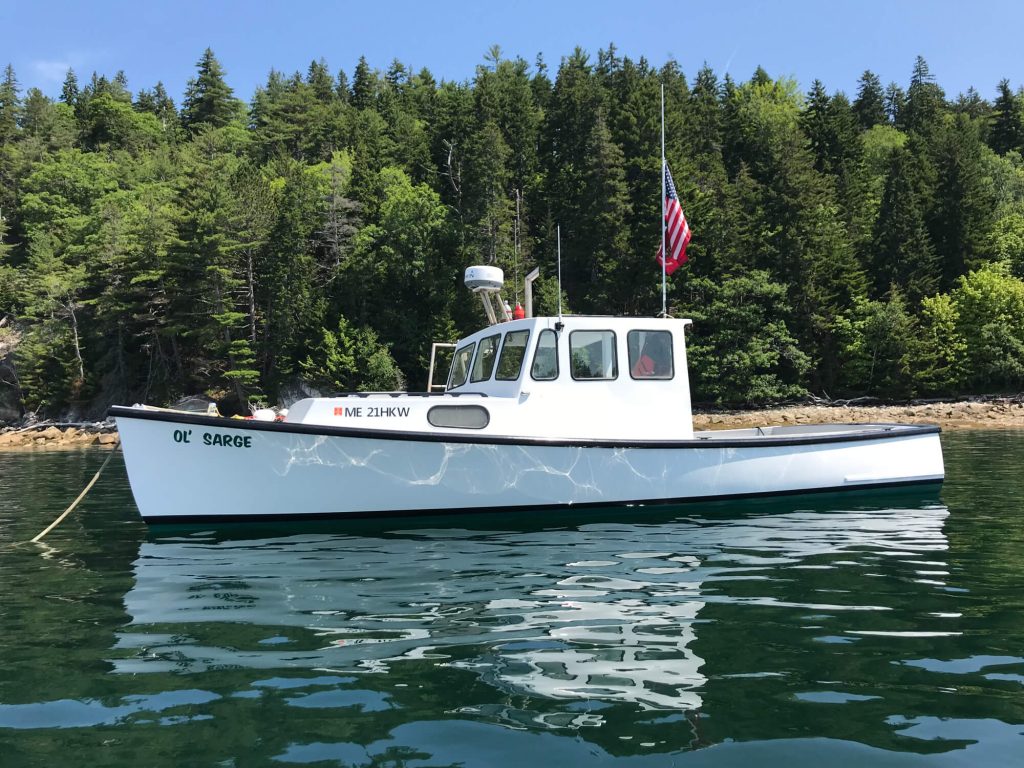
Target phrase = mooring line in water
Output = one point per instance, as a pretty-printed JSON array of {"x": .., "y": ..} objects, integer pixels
[{"x": 81, "y": 496}]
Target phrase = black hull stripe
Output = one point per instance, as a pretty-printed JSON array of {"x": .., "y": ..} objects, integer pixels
[
  {"x": 362, "y": 515},
  {"x": 887, "y": 432}
]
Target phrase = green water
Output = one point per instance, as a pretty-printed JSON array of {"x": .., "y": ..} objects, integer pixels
[{"x": 881, "y": 631}]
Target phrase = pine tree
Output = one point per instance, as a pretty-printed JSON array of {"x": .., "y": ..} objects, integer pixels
[
  {"x": 209, "y": 100},
  {"x": 869, "y": 106},
  {"x": 903, "y": 254},
  {"x": 965, "y": 202},
  {"x": 615, "y": 283},
  {"x": 319, "y": 79},
  {"x": 364, "y": 85},
  {"x": 1007, "y": 121},
  {"x": 925, "y": 102},
  {"x": 706, "y": 121},
  {"x": 69, "y": 91},
  {"x": 10, "y": 106},
  {"x": 895, "y": 103}
]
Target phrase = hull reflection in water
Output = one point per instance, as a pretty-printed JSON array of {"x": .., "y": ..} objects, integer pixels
[{"x": 600, "y": 612}]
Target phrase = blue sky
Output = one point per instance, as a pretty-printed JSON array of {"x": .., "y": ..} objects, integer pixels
[{"x": 965, "y": 43}]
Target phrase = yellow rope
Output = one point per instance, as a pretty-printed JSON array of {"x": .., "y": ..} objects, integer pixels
[{"x": 81, "y": 496}]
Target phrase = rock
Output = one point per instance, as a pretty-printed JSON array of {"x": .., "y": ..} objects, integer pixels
[{"x": 107, "y": 438}]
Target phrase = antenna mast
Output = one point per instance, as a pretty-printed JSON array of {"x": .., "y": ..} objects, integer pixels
[{"x": 558, "y": 236}]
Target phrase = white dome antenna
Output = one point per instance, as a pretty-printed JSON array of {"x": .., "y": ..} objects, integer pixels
[{"x": 481, "y": 278}]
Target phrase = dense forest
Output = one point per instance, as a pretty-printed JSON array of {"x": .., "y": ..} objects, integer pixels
[{"x": 316, "y": 236}]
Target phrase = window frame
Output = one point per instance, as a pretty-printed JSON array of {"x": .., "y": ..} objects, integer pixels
[
  {"x": 446, "y": 408},
  {"x": 629, "y": 355},
  {"x": 479, "y": 354},
  {"x": 614, "y": 349},
  {"x": 533, "y": 364},
  {"x": 501, "y": 354},
  {"x": 471, "y": 346}
]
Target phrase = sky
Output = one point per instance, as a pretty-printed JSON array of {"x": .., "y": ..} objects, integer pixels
[{"x": 965, "y": 43}]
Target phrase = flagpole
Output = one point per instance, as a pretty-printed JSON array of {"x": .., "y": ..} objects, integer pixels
[{"x": 664, "y": 256}]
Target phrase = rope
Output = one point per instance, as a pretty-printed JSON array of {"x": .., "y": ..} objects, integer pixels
[{"x": 81, "y": 496}]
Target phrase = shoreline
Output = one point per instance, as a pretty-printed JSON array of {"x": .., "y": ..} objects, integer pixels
[{"x": 1005, "y": 413}]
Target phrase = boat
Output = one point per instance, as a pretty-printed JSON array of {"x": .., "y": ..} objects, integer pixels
[{"x": 537, "y": 413}]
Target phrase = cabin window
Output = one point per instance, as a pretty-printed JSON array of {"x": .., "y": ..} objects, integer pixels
[
  {"x": 513, "y": 350},
  {"x": 459, "y": 416},
  {"x": 650, "y": 354},
  {"x": 484, "y": 363},
  {"x": 592, "y": 355},
  {"x": 460, "y": 365},
  {"x": 545, "y": 359}
]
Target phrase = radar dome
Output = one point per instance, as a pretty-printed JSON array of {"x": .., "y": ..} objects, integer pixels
[{"x": 482, "y": 278}]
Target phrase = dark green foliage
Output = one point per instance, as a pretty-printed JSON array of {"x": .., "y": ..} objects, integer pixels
[
  {"x": 741, "y": 350},
  {"x": 10, "y": 105},
  {"x": 869, "y": 106},
  {"x": 148, "y": 252},
  {"x": 902, "y": 252},
  {"x": 1007, "y": 120}
]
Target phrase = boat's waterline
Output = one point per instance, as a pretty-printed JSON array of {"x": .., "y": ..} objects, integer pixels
[{"x": 196, "y": 469}]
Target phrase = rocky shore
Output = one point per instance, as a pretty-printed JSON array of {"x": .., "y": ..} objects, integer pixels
[
  {"x": 995, "y": 413},
  {"x": 58, "y": 437}
]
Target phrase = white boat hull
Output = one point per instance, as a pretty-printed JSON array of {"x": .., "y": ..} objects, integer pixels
[{"x": 198, "y": 469}]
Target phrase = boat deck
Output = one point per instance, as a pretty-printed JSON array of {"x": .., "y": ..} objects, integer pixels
[{"x": 803, "y": 430}]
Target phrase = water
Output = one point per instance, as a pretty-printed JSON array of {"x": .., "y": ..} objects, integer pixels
[{"x": 882, "y": 630}]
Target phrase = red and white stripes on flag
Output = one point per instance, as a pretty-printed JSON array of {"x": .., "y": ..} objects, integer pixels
[{"x": 677, "y": 231}]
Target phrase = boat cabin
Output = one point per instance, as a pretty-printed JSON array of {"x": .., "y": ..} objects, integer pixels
[
  {"x": 598, "y": 376},
  {"x": 565, "y": 377},
  {"x": 544, "y": 377}
]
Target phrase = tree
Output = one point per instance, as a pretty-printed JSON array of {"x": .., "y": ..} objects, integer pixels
[
  {"x": 940, "y": 364},
  {"x": 964, "y": 207},
  {"x": 879, "y": 353},
  {"x": 990, "y": 303},
  {"x": 1007, "y": 121},
  {"x": 903, "y": 254},
  {"x": 10, "y": 106},
  {"x": 925, "y": 102},
  {"x": 615, "y": 283},
  {"x": 895, "y": 104},
  {"x": 869, "y": 106},
  {"x": 209, "y": 100},
  {"x": 69, "y": 91},
  {"x": 351, "y": 360},
  {"x": 741, "y": 350},
  {"x": 364, "y": 85},
  {"x": 50, "y": 362}
]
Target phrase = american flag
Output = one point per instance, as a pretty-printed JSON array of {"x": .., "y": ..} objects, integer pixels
[{"x": 677, "y": 231}]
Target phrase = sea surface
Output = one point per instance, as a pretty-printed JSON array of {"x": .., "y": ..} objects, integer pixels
[{"x": 874, "y": 630}]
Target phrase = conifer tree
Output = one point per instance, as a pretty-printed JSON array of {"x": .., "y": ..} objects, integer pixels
[
  {"x": 903, "y": 255},
  {"x": 1007, "y": 121},
  {"x": 319, "y": 79},
  {"x": 364, "y": 85},
  {"x": 10, "y": 106},
  {"x": 69, "y": 91},
  {"x": 925, "y": 102},
  {"x": 208, "y": 100},
  {"x": 964, "y": 206},
  {"x": 895, "y": 103},
  {"x": 869, "y": 106}
]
